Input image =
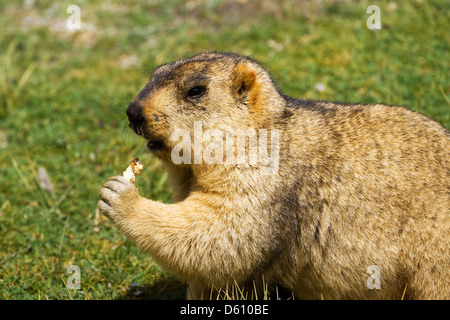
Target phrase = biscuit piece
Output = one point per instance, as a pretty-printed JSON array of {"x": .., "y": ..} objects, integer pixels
[{"x": 135, "y": 167}]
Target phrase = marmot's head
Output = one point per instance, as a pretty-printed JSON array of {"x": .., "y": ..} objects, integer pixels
[{"x": 220, "y": 90}]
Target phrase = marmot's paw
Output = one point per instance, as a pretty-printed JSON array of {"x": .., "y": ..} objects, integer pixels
[{"x": 118, "y": 196}]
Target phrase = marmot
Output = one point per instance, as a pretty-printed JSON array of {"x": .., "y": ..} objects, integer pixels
[{"x": 357, "y": 206}]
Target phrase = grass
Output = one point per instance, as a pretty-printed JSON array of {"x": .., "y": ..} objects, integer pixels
[{"x": 63, "y": 97}]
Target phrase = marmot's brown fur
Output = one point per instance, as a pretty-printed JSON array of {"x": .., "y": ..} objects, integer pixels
[{"x": 355, "y": 186}]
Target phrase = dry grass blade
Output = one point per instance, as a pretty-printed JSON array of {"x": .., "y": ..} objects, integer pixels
[{"x": 10, "y": 87}]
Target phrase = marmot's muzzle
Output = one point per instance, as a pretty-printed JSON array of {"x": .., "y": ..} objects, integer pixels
[{"x": 134, "y": 113}]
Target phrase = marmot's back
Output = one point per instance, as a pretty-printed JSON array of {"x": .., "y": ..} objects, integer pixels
[{"x": 373, "y": 179}]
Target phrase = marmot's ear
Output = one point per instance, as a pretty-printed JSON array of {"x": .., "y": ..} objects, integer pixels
[{"x": 244, "y": 81}]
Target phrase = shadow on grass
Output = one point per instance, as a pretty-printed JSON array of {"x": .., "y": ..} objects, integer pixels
[
  {"x": 162, "y": 289},
  {"x": 169, "y": 288}
]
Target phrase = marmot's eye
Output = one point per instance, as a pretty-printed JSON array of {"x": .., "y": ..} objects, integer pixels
[{"x": 196, "y": 92}]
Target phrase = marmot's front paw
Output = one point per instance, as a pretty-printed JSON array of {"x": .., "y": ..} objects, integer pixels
[{"x": 118, "y": 197}]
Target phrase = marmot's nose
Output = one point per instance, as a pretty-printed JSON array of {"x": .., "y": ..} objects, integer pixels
[{"x": 134, "y": 113}]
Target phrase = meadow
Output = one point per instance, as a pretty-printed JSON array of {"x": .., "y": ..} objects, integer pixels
[{"x": 64, "y": 131}]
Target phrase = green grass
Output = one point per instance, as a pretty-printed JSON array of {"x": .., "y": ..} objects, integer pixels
[{"x": 63, "y": 97}]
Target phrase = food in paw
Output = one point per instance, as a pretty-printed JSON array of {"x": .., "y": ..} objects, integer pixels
[{"x": 135, "y": 167}]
